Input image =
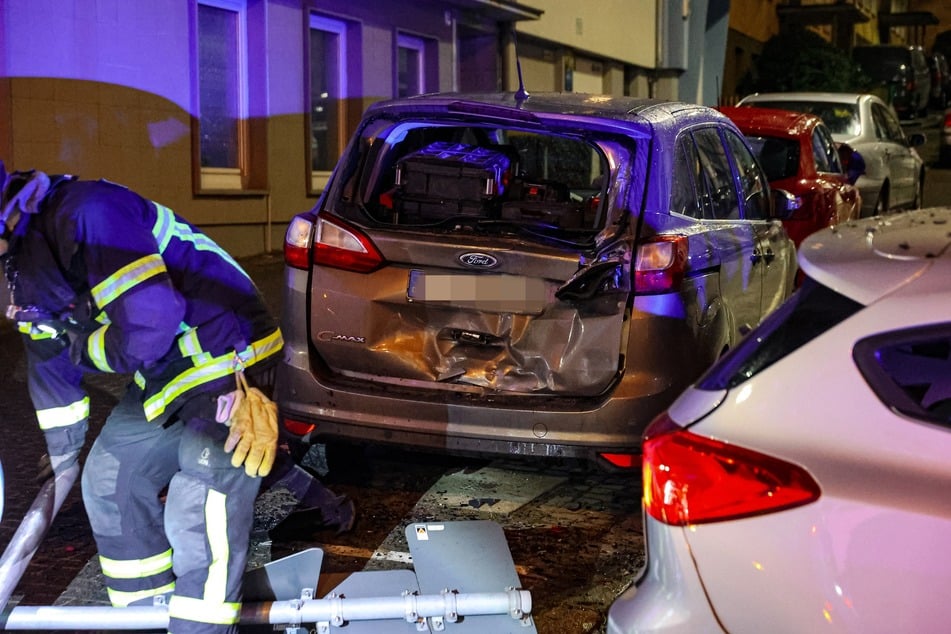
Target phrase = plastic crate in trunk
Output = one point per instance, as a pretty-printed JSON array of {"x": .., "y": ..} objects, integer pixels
[{"x": 447, "y": 179}]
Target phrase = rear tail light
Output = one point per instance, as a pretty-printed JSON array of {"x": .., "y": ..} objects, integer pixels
[
  {"x": 660, "y": 265},
  {"x": 947, "y": 121},
  {"x": 806, "y": 204},
  {"x": 297, "y": 240},
  {"x": 691, "y": 479},
  {"x": 298, "y": 428},
  {"x": 329, "y": 241},
  {"x": 622, "y": 460},
  {"x": 342, "y": 246}
]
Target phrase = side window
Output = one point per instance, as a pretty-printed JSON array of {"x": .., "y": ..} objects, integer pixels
[
  {"x": 892, "y": 126},
  {"x": 823, "y": 142},
  {"x": 328, "y": 62},
  {"x": 753, "y": 187},
  {"x": 717, "y": 174},
  {"x": 685, "y": 180},
  {"x": 222, "y": 93},
  {"x": 909, "y": 369},
  {"x": 878, "y": 118},
  {"x": 819, "y": 153},
  {"x": 779, "y": 157},
  {"x": 416, "y": 65},
  {"x": 886, "y": 125}
]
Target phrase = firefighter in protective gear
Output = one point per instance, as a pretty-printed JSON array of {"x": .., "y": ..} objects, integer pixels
[{"x": 104, "y": 280}]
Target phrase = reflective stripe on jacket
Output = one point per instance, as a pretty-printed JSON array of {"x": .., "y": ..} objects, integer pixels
[{"x": 167, "y": 303}]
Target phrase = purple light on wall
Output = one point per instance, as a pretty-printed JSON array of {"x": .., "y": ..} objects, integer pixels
[
  {"x": 166, "y": 132},
  {"x": 141, "y": 45}
]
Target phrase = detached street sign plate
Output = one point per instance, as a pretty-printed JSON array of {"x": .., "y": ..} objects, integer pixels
[{"x": 468, "y": 557}]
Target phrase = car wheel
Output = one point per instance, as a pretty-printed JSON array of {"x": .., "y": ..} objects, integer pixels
[
  {"x": 881, "y": 203},
  {"x": 346, "y": 461}
]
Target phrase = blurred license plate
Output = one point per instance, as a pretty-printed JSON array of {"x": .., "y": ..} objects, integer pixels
[{"x": 509, "y": 293}]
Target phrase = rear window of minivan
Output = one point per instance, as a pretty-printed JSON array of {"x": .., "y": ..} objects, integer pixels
[{"x": 418, "y": 174}]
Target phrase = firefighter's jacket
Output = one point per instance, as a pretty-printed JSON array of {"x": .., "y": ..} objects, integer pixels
[{"x": 104, "y": 280}]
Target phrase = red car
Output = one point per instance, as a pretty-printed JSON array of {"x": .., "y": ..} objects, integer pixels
[{"x": 798, "y": 155}]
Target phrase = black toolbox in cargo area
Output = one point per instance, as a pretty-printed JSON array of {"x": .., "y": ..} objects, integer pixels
[{"x": 449, "y": 179}]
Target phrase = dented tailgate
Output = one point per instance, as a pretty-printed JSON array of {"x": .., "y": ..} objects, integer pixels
[{"x": 430, "y": 322}]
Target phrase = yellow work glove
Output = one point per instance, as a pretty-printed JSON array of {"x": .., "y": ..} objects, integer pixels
[{"x": 253, "y": 424}]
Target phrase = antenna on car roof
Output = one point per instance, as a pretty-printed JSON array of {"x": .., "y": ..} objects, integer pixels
[{"x": 521, "y": 95}]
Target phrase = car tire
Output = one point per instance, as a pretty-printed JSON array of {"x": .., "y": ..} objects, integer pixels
[
  {"x": 346, "y": 461},
  {"x": 881, "y": 203},
  {"x": 944, "y": 156}
]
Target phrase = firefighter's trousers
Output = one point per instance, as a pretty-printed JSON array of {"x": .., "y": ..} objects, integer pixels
[{"x": 193, "y": 545}]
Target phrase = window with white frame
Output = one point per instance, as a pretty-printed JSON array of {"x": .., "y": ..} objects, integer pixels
[
  {"x": 328, "y": 93},
  {"x": 222, "y": 93},
  {"x": 410, "y": 65}
]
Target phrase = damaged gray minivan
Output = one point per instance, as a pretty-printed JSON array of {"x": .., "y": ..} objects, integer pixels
[{"x": 539, "y": 276}]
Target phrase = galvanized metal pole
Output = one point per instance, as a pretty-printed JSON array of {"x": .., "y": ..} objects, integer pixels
[
  {"x": 32, "y": 529},
  {"x": 335, "y": 611}
]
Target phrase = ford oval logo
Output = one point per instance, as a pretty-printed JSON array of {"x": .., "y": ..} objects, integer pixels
[{"x": 478, "y": 260}]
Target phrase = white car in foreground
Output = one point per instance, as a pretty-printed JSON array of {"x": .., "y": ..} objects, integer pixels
[{"x": 803, "y": 484}]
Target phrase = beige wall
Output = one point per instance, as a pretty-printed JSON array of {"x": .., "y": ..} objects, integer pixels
[
  {"x": 754, "y": 18},
  {"x": 942, "y": 10},
  {"x": 64, "y": 112},
  {"x": 142, "y": 141},
  {"x": 623, "y": 30}
]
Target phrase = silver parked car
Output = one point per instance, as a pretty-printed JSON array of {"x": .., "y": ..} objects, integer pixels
[
  {"x": 894, "y": 172},
  {"x": 538, "y": 277}
]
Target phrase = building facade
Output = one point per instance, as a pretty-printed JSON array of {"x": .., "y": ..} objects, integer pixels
[{"x": 233, "y": 112}]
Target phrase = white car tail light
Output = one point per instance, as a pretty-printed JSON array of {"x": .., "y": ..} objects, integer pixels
[{"x": 692, "y": 479}]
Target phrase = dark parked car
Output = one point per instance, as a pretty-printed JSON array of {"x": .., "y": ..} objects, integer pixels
[
  {"x": 944, "y": 148},
  {"x": 942, "y": 43},
  {"x": 901, "y": 74},
  {"x": 940, "y": 80},
  {"x": 533, "y": 277}
]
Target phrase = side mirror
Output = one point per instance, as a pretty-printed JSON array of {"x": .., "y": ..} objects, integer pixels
[
  {"x": 917, "y": 139},
  {"x": 784, "y": 204}
]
